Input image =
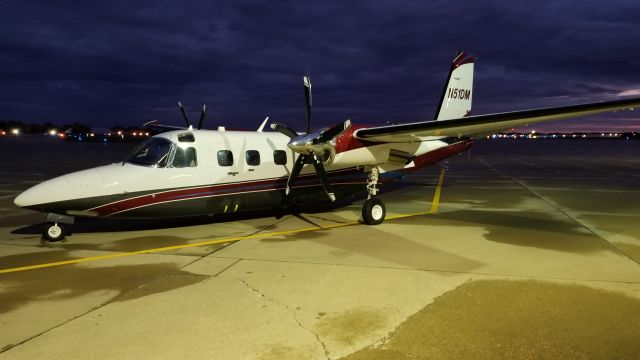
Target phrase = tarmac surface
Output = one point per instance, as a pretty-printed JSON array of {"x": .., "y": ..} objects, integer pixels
[{"x": 525, "y": 249}]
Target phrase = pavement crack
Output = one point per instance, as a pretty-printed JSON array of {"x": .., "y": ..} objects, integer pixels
[
  {"x": 256, "y": 291},
  {"x": 294, "y": 315}
]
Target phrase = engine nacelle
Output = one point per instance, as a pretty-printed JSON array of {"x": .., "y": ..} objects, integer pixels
[{"x": 369, "y": 155}]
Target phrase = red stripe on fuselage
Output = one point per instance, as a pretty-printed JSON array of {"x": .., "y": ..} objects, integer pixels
[{"x": 210, "y": 191}]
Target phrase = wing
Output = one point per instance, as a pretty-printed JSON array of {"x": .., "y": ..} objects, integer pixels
[{"x": 481, "y": 125}]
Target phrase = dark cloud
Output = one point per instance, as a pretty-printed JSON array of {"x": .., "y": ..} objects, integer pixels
[{"x": 126, "y": 62}]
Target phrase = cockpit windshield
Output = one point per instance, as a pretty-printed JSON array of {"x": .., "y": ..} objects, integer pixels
[{"x": 153, "y": 152}]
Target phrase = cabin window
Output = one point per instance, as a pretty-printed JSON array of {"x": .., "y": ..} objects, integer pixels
[
  {"x": 280, "y": 157},
  {"x": 186, "y": 137},
  {"x": 153, "y": 152},
  {"x": 225, "y": 158},
  {"x": 252, "y": 157},
  {"x": 184, "y": 157}
]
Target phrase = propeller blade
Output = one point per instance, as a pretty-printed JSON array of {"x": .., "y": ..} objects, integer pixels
[
  {"x": 284, "y": 129},
  {"x": 297, "y": 167},
  {"x": 317, "y": 163},
  {"x": 184, "y": 114},
  {"x": 202, "y": 116},
  {"x": 308, "y": 100}
]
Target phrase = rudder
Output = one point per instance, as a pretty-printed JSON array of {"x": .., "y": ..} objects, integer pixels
[{"x": 458, "y": 91}]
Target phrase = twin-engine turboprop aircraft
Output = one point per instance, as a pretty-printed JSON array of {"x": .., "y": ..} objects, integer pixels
[{"x": 191, "y": 172}]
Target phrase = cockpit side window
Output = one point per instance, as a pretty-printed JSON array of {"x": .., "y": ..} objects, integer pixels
[
  {"x": 184, "y": 157},
  {"x": 153, "y": 152}
]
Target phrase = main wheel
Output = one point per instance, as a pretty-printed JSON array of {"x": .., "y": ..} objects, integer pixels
[
  {"x": 53, "y": 232},
  {"x": 373, "y": 211}
]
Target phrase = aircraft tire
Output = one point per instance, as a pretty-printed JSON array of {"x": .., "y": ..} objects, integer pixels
[
  {"x": 53, "y": 232},
  {"x": 373, "y": 211}
]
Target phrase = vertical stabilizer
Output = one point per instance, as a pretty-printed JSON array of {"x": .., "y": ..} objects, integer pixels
[{"x": 458, "y": 91}]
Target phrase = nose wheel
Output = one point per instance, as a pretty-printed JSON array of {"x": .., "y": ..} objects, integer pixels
[{"x": 53, "y": 232}]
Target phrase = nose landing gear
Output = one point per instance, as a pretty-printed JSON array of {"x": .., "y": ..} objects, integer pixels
[
  {"x": 373, "y": 210},
  {"x": 53, "y": 232},
  {"x": 56, "y": 227}
]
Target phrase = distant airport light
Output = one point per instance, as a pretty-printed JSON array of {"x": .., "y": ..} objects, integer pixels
[
  {"x": 146, "y": 134},
  {"x": 61, "y": 135},
  {"x": 3, "y": 132},
  {"x": 53, "y": 132},
  {"x": 15, "y": 131},
  {"x": 119, "y": 132},
  {"x": 92, "y": 134}
]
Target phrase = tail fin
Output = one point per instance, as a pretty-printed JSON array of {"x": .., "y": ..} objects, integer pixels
[{"x": 457, "y": 94}]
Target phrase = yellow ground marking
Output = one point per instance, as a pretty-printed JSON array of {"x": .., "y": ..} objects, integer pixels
[
  {"x": 434, "y": 208},
  {"x": 436, "y": 196}
]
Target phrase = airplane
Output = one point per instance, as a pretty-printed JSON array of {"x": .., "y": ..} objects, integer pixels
[{"x": 191, "y": 171}]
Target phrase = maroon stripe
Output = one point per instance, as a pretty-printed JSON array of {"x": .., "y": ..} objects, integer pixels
[
  {"x": 433, "y": 157},
  {"x": 213, "y": 190},
  {"x": 346, "y": 141},
  {"x": 458, "y": 59},
  {"x": 462, "y": 59}
]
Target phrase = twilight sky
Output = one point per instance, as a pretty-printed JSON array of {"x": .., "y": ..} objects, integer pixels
[{"x": 128, "y": 62}]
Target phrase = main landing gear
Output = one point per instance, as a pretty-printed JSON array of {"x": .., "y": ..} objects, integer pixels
[{"x": 373, "y": 210}]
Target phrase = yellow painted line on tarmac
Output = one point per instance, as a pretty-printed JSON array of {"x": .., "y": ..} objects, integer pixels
[
  {"x": 436, "y": 197},
  {"x": 434, "y": 208}
]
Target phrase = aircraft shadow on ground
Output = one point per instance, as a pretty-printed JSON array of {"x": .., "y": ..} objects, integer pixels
[{"x": 100, "y": 225}]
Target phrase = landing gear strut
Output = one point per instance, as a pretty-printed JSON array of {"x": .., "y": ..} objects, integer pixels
[{"x": 373, "y": 210}]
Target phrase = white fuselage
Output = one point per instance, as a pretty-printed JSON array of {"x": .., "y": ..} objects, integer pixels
[{"x": 119, "y": 188}]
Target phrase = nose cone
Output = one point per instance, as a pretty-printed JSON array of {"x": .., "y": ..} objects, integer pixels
[
  {"x": 52, "y": 193},
  {"x": 45, "y": 192},
  {"x": 24, "y": 199}
]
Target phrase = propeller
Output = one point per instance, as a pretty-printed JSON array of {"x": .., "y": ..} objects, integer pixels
[
  {"x": 186, "y": 118},
  {"x": 311, "y": 147},
  {"x": 308, "y": 100},
  {"x": 184, "y": 114},
  {"x": 202, "y": 116}
]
